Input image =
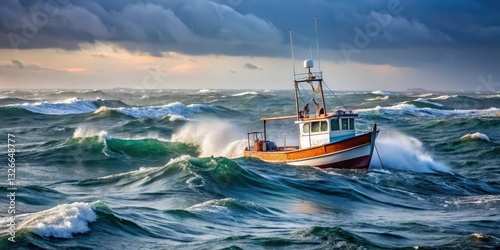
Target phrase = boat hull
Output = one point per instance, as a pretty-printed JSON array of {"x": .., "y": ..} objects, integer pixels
[{"x": 352, "y": 153}]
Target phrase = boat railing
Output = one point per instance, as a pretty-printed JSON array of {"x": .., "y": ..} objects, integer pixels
[
  {"x": 256, "y": 138},
  {"x": 309, "y": 76}
]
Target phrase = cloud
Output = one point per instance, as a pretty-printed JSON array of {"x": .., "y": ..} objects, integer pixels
[
  {"x": 460, "y": 38},
  {"x": 190, "y": 27},
  {"x": 251, "y": 66},
  {"x": 17, "y": 63},
  {"x": 18, "y": 66}
]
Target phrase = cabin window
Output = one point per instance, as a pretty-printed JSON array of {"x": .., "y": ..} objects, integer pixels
[
  {"x": 345, "y": 124},
  {"x": 315, "y": 127},
  {"x": 351, "y": 123},
  {"x": 334, "y": 124},
  {"x": 305, "y": 128},
  {"x": 324, "y": 126}
]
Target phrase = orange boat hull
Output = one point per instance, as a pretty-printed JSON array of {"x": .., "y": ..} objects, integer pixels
[{"x": 352, "y": 153}]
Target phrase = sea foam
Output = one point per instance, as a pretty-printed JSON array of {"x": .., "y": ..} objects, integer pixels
[
  {"x": 475, "y": 136},
  {"x": 405, "y": 108},
  {"x": 246, "y": 93},
  {"x": 87, "y": 132},
  {"x": 423, "y": 100},
  {"x": 402, "y": 152},
  {"x": 381, "y": 92},
  {"x": 205, "y": 91},
  {"x": 62, "y": 221},
  {"x": 218, "y": 139},
  {"x": 65, "y": 107},
  {"x": 176, "y": 111},
  {"x": 378, "y": 98}
]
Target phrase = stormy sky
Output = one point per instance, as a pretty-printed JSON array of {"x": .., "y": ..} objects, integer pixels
[{"x": 365, "y": 45}]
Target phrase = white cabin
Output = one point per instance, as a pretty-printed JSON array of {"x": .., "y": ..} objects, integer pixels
[{"x": 316, "y": 132}]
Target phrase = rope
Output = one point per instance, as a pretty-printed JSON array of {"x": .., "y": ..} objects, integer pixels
[
  {"x": 302, "y": 99},
  {"x": 379, "y": 158},
  {"x": 335, "y": 96}
]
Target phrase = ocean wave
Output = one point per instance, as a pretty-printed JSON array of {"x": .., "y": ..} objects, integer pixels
[
  {"x": 218, "y": 176},
  {"x": 246, "y": 93},
  {"x": 475, "y": 136},
  {"x": 381, "y": 92},
  {"x": 402, "y": 152},
  {"x": 140, "y": 171},
  {"x": 334, "y": 238},
  {"x": 145, "y": 170},
  {"x": 484, "y": 202},
  {"x": 65, "y": 107},
  {"x": 84, "y": 132},
  {"x": 228, "y": 204},
  {"x": 206, "y": 91},
  {"x": 443, "y": 97},
  {"x": 378, "y": 98},
  {"x": 221, "y": 138},
  {"x": 100, "y": 142},
  {"x": 424, "y": 95},
  {"x": 423, "y": 100},
  {"x": 410, "y": 109},
  {"x": 62, "y": 221},
  {"x": 175, "y": 111},
  {"x": 492, "y": 96}
]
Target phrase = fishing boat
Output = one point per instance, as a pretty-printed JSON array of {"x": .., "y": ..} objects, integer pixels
[{"x": 326, "y": 139}]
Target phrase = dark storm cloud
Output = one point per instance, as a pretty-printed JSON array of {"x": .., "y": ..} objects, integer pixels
[
  {"x": 192, "y": 27},
  {"x": 442, "y": 35},
  {"x": 239, "y": 27},
  {"x": 251, "y": 66}
]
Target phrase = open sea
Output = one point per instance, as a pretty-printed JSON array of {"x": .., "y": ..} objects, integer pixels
[{"x": 163, "y": 169}]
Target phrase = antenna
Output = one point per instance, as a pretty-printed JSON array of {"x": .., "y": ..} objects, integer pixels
[
  {"x": 317, "y": 40},
  {"x": 291, "y": 46},
  {"x": 310, "y": 51}
]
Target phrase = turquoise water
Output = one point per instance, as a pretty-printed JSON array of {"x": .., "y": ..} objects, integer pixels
[{"x": 132, "y": 169}]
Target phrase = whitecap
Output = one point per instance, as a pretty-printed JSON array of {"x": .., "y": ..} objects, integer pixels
[
  {"x": 62, "y": 221},
  {"x": 246, "y": 93},
  {"x": 381, "y": 92},
  {"x": 443, "y": 97},
  {"x": 221, "y": 138},
  {"x": 475, "y": 136},
  {"x": 403, "y": 108},
  {"x": 205, "y": 91},
  {"x": 423, "y": 100},
  {"x": 402, "y": 152},
  {"x": 89, "y": 132},
  {"x": 424, "y": 95},
  {"x": 65, "y": 107},
  {"x": 176, "y": 111},
  {"x": 378, "y": 98}
]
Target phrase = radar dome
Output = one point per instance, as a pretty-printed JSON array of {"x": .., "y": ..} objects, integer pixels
[{"x": 308, "y": 64}]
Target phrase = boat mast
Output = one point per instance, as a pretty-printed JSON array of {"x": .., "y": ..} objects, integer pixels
[
  {"x": 319, "y": 64},
  {"x": 296, "y": 85},
  {"x": 317, "y": 41}
]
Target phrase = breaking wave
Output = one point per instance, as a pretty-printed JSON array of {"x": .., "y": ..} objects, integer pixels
[
  {"x": 219, "y": 139},
  {"x": 475, "y": 136},
  {"x": 246, "y": 93},
  {"x": 65, "y": 107},
  {"x": 402, "y": 152},
  {"x": 410, "y": 109}
]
